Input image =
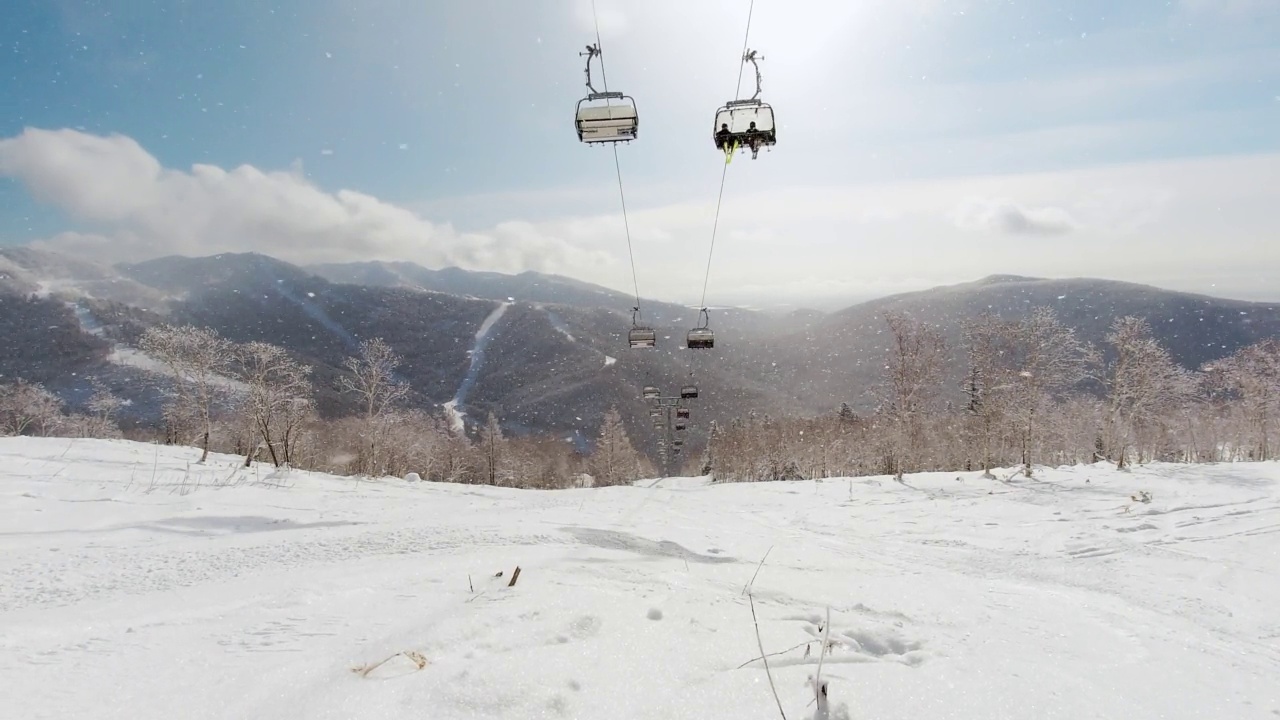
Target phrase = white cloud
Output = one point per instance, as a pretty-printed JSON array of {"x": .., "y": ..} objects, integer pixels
[
  {"x": 1203, "y": 225},
  {"x": 135, "y": 208},
  {"x": 1005, "y": 216}
]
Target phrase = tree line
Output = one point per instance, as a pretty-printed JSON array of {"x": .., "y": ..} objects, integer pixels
[
  {"x": 1033, "y": 393},
  {"x": 257, "y": 401}
]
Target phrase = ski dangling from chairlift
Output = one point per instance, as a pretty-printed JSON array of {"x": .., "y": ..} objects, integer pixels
[
  {"x": 605, "y": 117},
  {"x": 701, "y": 337},
  {"x": 745, "y": 123}
]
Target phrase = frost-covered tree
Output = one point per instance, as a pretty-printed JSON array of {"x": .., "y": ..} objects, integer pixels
[
  {"x": 986, "y": 385},
  {"x": 1048, "y": 360},
  {"x": 615, "y": 461},
  {"x": 910, "y": 388},
  {"x": 27, "y": 408},
  {"x": 198, "y": 359},
  {"x": 495, "y": 454},
  {"x": 372, "y": 379},
  {"x": 1251, "y": 377},
  {"x": 279, "y": 399},
  {"x": 103, "y": 403},
  {"x": 1145, "y": 387}
]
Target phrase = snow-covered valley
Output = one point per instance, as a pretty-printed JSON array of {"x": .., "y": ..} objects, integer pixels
[{"x": 135, "y": 583}]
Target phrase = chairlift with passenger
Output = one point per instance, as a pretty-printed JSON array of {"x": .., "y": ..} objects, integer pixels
[
  {"x": 682, "y": 413},
  {"x": 616, "y": 120},
  {"x": 746, "y": 123}
]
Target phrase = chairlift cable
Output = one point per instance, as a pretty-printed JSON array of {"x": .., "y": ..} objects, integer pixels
[
  {"x": 626, "y": 225},
  {"x": 715, "y": 225}
]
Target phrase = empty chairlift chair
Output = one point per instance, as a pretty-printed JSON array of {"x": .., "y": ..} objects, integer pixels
[
  {"x": 701, "y": 337},
  {"x": 650, "y": 392},
  {"x": 681, "y": 425},
  {"x": 605, "y": 117},
  {"x": 655, "y": 413},
  {"x": 689, "y": 392},
  {"x": 640, "y": 336}
]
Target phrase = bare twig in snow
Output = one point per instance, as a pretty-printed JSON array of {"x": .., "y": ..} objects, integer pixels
[
  {"x": 764, "y": 656},
  {"x": 747, "y": 588}
]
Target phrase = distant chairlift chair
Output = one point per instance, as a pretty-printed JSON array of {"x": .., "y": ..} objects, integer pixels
[
  {"x": 640, "y": 336},
  {"x": 701, "y": 337},
  {"x": 689, "y": 392},
  {"x": 650, "y": 392}
]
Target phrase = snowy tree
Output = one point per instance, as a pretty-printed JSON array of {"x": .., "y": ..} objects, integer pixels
[
  {"x": 100, "y": 422},
  {"x": 104, "y": 404},
  {"x": 495, "y": 452},
  {"x": 198, "y": 358},
  {"x": 1252, "y": 378},
  {"x": 986, "y": 383},
  {"x": 1144, "y": 385},
  {"x": 1048, "y": 360},
  {"x": 910, "y": 387},
  {"x": 279, "y": 400},
  {"x": 373, "y": 378},
  {"x": 28, "y": 408},
  {"x": 615, "y": 461}
]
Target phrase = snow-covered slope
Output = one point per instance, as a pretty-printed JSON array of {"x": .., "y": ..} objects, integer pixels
[{"x": 135, "y": 583}]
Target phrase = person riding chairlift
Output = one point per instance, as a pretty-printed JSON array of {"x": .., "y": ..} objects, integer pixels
[
  {"x": 722, "y": 136},
  {"x": 754, "y": 139}
]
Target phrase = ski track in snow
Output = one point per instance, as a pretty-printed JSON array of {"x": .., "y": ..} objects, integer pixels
[
  {"x": 136, "y": 583},
  {"x": 457, "y": 416}
]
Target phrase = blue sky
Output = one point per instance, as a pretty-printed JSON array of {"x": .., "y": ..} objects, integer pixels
[{"x": 907, "y": 129}]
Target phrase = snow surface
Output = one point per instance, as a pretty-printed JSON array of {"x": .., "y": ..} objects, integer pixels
[{"x": 136, "y": 583}]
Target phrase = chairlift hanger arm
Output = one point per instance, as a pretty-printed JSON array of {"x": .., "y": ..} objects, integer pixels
[
  {"x": 751, "y": 56},
  {"x": 593, "y": 51}
]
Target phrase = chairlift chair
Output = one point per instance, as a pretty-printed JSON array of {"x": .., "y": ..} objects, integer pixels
[
  {"x": 681, "y": 425},
  {"x": 689, "y": 392},
  {"x": 702, "y": 336},
  {"x": 616, "y": 120},
  {"x": 650, "y": 392},
  {"x": 640, "y": 336},
  {"x": 682, "y": 413},
  {"x": 655, "y": 413},
  {"x": 745, "y": 123},
  {"x": 677, "y": 443}
]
